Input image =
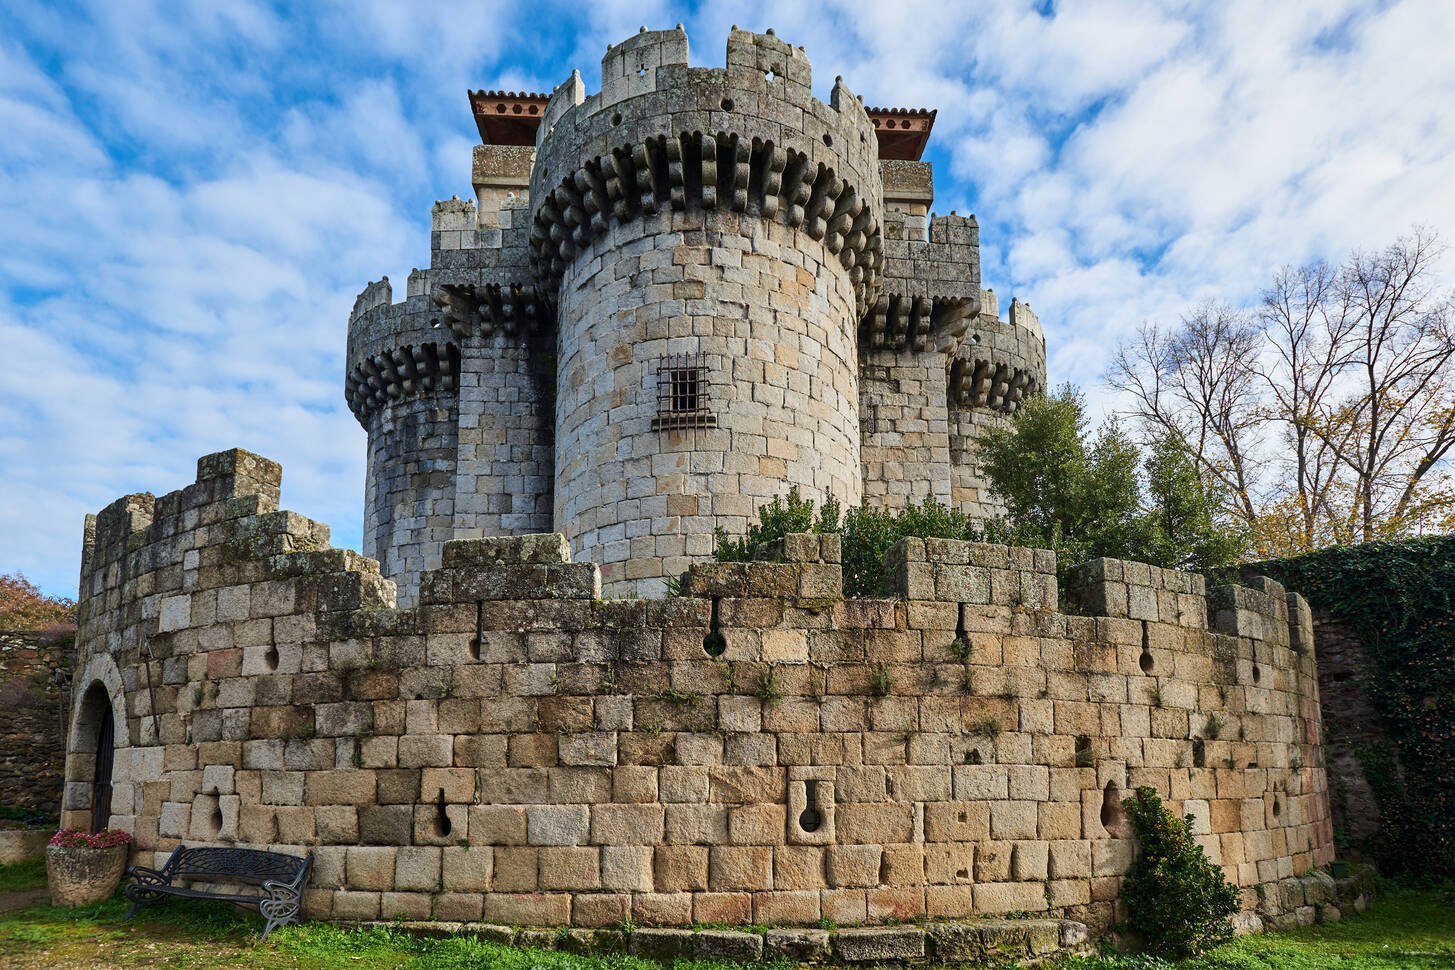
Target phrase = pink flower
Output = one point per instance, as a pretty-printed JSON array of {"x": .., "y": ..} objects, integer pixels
[{"x": 81, "y": 839}]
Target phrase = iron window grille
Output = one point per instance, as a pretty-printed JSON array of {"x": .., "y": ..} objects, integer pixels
[{"x": 684, "y": 394}]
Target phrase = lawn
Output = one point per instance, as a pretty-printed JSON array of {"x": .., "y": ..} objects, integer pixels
[{"x": 1405, "y": 929}]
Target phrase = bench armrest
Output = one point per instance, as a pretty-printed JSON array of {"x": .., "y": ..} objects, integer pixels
[{"x": 149, "y": 877}]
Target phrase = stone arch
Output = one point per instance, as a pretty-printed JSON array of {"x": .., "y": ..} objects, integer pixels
[{"x": 99, "y": 697}]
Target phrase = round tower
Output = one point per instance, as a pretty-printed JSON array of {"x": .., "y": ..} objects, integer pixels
[
  {"x": 1000, "y": 363},
  {"x": 402, "y": 385},
  {"x": 709, "y": 239}
]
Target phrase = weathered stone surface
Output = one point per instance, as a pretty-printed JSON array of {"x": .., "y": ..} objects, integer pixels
[
  {"x": 797, "y": 946},
  {"x": 662, "y": 945},
  {"x": 880, "y": 943},
  {"x": 727, "y": 945}
]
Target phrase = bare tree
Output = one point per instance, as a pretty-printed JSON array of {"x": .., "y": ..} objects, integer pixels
[
  {"x": 1306, "y": 321},
  {"x": 1401, "y": 414},
  {"x": 1350, "y": 366},
  {"x": 1198, "y": 384}
]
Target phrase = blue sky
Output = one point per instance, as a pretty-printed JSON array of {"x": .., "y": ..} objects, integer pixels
[{"x": 191, "y": 195}]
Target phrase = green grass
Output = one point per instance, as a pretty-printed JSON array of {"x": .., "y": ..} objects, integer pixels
[
  {"x": 1405, "y": 929},
  {"x": 23, "y": 875}
]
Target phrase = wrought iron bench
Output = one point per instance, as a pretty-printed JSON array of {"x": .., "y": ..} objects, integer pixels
[{"x": 280, "y": 878}]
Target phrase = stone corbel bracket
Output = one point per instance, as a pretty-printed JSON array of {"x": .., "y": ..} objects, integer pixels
[{"x": 515, "y": 310}]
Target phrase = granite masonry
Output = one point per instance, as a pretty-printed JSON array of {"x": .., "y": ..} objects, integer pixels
[
  {"x": 35, "y": 670},
  {"x": 667, "y": 302},
  {"x": 514, "y": 748}
]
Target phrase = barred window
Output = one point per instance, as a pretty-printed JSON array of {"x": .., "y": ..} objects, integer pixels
[{"x": 683, "y": 394}]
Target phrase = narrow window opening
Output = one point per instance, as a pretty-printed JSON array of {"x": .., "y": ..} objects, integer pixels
[
  {"x": 1199, "y": 753},
  {"x": 1257, "y": 674},
  {"x": 1145, "y": 661},
  {"x": 442, "y": 823},
  {"x": 270, "y": 658},
  {"x": 1113, "y": 817},
  {"x": 1084, "y": 757},
  {"x": 811, "y": 819},
  {"x": 714, "y": 644}
]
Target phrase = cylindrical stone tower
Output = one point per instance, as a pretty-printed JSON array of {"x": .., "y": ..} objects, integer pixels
[
  {"x": 710, "y": 240},
  {"x": 402, "y": 385}
]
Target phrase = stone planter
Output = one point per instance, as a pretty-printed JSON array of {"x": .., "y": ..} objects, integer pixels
[
  {"x": 83, "y": 877},
  {"x": 22, "y": 845}
]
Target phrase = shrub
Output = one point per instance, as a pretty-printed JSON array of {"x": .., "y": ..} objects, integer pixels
[
  {"x": 776, "y": 519},
  {"x": 1179, "y": 902}
]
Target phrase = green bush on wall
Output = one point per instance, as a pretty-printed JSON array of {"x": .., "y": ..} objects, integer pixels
[
  {"x": 1178, "y": 901},
  {"x": 1399, "y": 596}
]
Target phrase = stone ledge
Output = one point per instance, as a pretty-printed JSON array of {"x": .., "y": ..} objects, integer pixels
[{"x": 986, "y": 942}]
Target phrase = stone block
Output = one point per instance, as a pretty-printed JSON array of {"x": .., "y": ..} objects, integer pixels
[
  {"x": 880, "y": 944},
  {"x": 557, "y": 824},
  {"x": 797, "y": 946},
  {"x": 661, "y": 945},
  {"x": 727, "y": 945}
]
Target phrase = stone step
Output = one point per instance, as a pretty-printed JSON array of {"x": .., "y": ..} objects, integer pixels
[{"x": 979, "y": 942}]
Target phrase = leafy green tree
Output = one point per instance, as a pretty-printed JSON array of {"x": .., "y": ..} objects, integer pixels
[
  {"x": 1088, "y": 495},
  {"x": 1187, "y": 532}
]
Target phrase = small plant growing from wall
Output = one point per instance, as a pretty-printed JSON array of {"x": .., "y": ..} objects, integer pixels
[
  {"x": 1178, "y": 901},
  {"x": 880, "y": 680}
]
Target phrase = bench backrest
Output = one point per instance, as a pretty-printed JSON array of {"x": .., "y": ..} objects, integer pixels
[{"x": 250, "y": 865}]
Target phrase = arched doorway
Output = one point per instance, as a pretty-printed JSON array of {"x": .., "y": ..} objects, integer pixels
[
  {"x": 105, "y": 759},
  {"x": 95, "y": 734}
]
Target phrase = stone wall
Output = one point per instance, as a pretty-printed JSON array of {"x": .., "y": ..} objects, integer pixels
[
  {"x": 35, "y": 673},
  {"x": 516, "y": 749},
  {"x": 1351, "y": 724}
]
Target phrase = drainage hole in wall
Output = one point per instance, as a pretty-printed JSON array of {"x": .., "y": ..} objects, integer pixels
[
  {"x": 828, "y": 140},
  {"x": 1257, "y": 674},
  {"x": 727, "y": 104},
  {"x": 616, "y": 118},
  {"x": 270, "y": 659},
  {"x": 972, "y": 757},
  {"x": 1277, "y": 808},
  {"x": 1199, "y": 753}
]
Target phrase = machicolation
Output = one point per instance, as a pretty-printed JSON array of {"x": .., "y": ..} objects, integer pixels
[{"x": 668, "y": 302}]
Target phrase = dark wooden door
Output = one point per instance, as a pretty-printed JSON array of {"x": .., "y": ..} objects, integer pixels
[{"x": 101, "y": 788}]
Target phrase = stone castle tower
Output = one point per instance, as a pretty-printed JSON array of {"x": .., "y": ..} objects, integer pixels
[{"x": 670, "y": 301}]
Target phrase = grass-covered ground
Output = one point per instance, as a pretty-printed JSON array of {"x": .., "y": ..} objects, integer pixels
[{"x": 1405, "y": 929}]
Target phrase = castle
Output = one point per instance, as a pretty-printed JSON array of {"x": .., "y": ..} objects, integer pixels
[
  {"x": 668, "y": 302},
  {"x": 743, "y": 292}
]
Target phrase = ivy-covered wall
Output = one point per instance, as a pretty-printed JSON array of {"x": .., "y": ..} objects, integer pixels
[{"x": 1398, "y": 598}]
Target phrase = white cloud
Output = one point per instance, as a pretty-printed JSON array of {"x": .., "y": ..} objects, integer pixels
[{"x": 191, "y": 197}]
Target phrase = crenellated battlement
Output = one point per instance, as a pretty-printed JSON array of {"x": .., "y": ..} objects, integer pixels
[
  {"x": 516, "y": 749},
  {"x": 665, "y": 136}
]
